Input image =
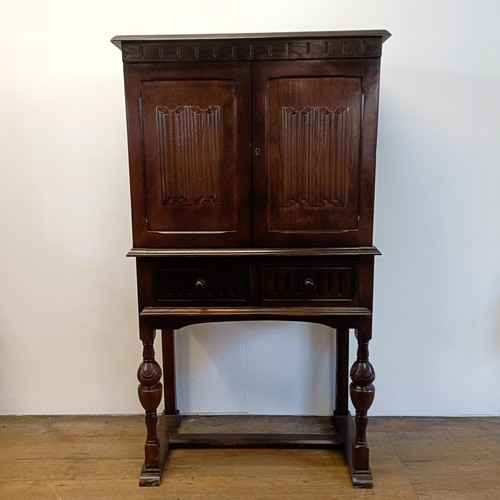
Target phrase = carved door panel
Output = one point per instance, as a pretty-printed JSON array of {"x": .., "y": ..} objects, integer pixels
[
  {"x": 309, "y": 156},
  {"x": 196, "y": 166}
]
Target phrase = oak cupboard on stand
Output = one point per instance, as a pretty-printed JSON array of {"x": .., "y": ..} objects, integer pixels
[{"x": 252, "y": 168}]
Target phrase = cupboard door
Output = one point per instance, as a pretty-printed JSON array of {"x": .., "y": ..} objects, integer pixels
[
  {"x": 193, "y": 170},
  {"x": 313, "y": 155}
]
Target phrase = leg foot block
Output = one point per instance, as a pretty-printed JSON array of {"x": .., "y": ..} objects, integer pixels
[
  {"x": 362, "y": 479},
  {"x": 150, "y": 477}
]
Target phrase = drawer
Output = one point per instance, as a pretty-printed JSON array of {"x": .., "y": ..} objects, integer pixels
[
  {"x": 312, "y": 283},
  {"x": 202, "y": 284}
]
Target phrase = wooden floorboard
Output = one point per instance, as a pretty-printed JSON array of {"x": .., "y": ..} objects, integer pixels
[{"x": 100, "y": 458}]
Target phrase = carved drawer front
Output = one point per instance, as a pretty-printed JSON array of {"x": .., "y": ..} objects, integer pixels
[
  {"x": 281, "y": 283},
  {"x": 202, "y": 284}
]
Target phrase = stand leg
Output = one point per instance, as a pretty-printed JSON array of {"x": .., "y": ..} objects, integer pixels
[
  {"x": 342, "y": 371},
  {"x": 362, "y": 393},
  {"x": 168, "y": 351},
  {"x": 150, "y": 389}
]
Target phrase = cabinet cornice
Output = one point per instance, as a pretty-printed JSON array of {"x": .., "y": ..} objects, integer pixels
[{"x": 247, "y": 47}]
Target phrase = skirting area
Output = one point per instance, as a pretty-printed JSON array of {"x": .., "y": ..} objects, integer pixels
[{"x": 100, "y": 457}]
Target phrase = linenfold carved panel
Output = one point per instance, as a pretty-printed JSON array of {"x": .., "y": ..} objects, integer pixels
[
  {"x": 191, "y": 154},
  {"x": 314, "y": 159},
  {"x": 189, "y": 142},
  {"x": 313, "y": 138}
]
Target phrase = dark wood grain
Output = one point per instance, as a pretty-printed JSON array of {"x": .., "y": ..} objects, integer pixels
[
  {"x": 260, "y": 46},
  {"x": 188, "y": 154},
  {"x": 252, "y": 170},
  {"x": 168, "y": 355},
  {"x": 253, "y": 252},
  {"x": 342, "y": 371},
  {"x": 313, "y": 177},
  {"x": 149, "y": 375}
]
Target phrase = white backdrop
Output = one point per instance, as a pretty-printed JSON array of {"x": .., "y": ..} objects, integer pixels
[{"x": 68, "y": 327}]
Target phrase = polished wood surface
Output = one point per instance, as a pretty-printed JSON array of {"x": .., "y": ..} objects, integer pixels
[
  {"x": 278, "y": 151},
  {"x": 252, "y": 171},
  {"x": 249, "y": 252},
  {"x": 314, "y": 173},
  {"x": 188, "y": 130},
  {"x": 239, "y": 281},
  {"x": 252, "y": 46},
  {"x": 86, "y": 457}
]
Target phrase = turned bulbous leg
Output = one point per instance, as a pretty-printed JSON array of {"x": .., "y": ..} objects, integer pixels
[
  {"x": 150, "y": 391},
  {"x": 362, "y": 393}
]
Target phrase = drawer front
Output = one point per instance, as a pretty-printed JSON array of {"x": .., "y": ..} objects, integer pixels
[
  {"x": 312, "y": 283},
  {"x": 202, "y": 284}
]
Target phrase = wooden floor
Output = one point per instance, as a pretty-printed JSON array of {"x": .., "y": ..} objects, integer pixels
[{"x": 100, "y": 457}]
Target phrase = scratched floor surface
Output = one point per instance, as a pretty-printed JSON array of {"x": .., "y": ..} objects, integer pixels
[{"x": 100, "y": 457}]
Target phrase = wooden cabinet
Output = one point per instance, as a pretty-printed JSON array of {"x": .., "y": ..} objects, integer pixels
[{"x": 252, "y": 167}]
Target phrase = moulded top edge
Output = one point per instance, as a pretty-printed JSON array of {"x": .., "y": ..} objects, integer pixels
[
  {"x": 252, "y": 252},
  {"x": 383, "y": 34}
]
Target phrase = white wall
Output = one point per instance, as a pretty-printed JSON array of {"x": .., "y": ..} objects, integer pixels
[{"x": 68, "y": 339}]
